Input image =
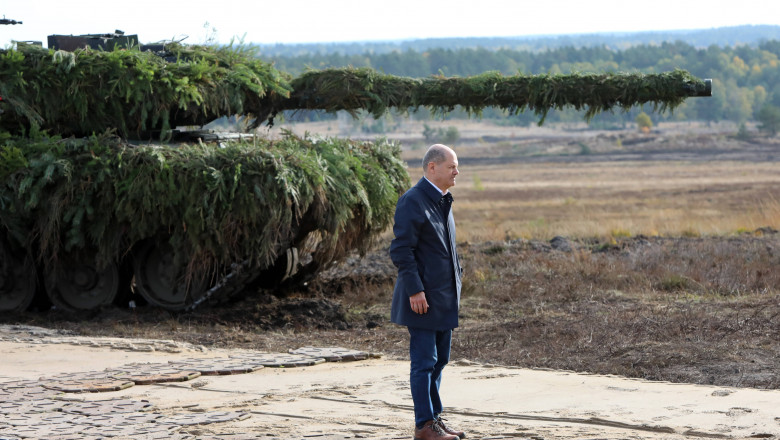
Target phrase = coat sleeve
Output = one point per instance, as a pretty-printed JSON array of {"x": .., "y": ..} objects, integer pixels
[{"x": 406, "y": 228}]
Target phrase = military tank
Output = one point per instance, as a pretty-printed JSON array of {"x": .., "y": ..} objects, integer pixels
[{"x": 110, "y": 188}]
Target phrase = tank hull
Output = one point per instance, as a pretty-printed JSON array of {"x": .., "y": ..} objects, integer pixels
[{"x": 176, "y": 220}]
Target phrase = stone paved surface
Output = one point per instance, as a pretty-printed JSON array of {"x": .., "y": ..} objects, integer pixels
[
  {"x": 49, "y": 408},
  {"x": 38, "y": 335}
]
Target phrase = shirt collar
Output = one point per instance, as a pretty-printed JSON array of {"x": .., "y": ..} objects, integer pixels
[{"x": 437, "y": 188}]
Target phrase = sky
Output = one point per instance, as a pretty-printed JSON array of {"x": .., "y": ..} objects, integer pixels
[{"x": 324, "y": 21}]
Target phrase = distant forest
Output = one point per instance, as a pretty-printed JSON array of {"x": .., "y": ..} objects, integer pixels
[
  {"x": 723, "y": 36},
  {"x": 744, "y": 63}
]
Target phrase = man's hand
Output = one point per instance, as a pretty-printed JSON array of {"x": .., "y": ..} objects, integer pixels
[{"x": 419, "y": 303}]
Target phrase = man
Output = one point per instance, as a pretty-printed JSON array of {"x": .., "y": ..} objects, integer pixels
[{"x": 427, "y": 292}]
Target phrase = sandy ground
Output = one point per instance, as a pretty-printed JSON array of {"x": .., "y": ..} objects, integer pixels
[{"x": 370, "y": 398}]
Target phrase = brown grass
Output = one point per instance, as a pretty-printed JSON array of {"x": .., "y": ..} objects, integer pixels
[
  {"x": 667, "y": 309},
  {"x": 524, "y": 200}
]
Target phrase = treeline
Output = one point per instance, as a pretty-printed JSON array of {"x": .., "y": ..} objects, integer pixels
[
  {"x": 746, "y": 79},
  {"x": 721, "y": 36}
]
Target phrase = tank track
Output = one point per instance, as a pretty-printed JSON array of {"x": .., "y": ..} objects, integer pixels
[
  {"x": 241, "y": 277},
  {"x": 78, "y": 286}
]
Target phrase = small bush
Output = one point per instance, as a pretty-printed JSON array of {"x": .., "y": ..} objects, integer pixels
[
  {"x": 620, "y": 233},
  {"x": 643, "y": 122},
  {"x": 673, "y": 283},
  {"x": 494, "y": 249},
  {"x": 743, "y": 134},
  {"x": 477, "y": 183},
  {"x": 440, "y": 135}
]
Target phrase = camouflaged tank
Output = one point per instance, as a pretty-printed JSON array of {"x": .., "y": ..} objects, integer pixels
[{"x": 102, "y": 197}]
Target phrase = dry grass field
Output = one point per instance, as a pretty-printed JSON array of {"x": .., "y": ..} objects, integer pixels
[
  {"x": 643, "y": 255},
  {"x": 602, "y": 199},
  {"x": 540, "y": 182}
]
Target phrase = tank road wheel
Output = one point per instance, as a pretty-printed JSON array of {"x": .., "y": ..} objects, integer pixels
[
  {"x": 17, "y": 281},
  {"x": 160, "y": 281},
  {"x": 79, "y": 285}
]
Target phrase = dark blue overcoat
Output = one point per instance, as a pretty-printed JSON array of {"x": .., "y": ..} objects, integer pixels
[{"x": 424, "y": 252}]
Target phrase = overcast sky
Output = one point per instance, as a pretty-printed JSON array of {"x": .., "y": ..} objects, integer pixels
[{"x": 306, "y": 21}]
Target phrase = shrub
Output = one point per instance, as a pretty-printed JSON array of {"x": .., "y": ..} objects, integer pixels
[{"x": 643, "y": 122}]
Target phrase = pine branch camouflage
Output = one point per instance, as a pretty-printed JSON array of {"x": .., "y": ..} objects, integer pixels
[{"x": 241, "y": 200}]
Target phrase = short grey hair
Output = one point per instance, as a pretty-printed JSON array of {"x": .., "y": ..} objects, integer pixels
[{"x": 436, "y": 153}]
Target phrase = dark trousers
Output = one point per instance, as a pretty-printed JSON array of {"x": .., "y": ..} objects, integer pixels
[{"x": 429, "y": 351}]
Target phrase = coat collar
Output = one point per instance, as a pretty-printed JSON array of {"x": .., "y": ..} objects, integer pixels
[{"x": 429, "y": 190}]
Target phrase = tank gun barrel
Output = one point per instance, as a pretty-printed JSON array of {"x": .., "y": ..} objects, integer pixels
[
  {"x": 699, "y": 90},
  {"x": 353, "y": 89},
  {"x": 202, "y": 84}
]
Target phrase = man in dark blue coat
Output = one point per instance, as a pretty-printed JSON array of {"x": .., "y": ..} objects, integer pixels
[{"x": 426, "y": 297}]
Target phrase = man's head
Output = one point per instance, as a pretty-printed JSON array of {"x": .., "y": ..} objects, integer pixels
[{"x": 440, "y": 166}]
